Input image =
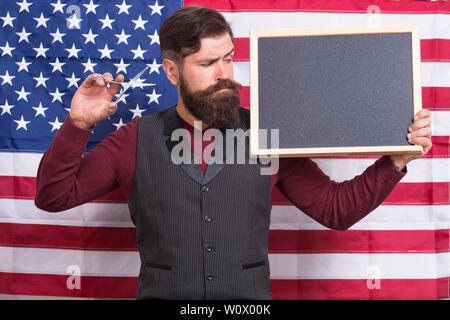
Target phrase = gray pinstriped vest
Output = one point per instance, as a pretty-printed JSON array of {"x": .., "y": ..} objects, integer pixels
[{"x": 199, "y": 237}]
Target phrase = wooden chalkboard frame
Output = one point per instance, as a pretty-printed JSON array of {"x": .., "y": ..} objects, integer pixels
[{"x": 255, "y": 35}]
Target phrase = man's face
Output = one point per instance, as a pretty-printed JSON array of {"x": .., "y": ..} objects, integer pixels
[{"x": 207, "y": 87}]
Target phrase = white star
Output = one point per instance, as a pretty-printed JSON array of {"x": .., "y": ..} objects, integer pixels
[
  {"x": 22, "y": 94},
  {"x": 137, "y": 112},
  {"x": 123, "y": 7},
  {"x": 7, "y": 20},
  {"x": 122, "y": 37},
  {"x": 56, "y": 124},
  {"x": 89, "y": 66},
  {"x": 23, "y": 65},
  {"x": 23, "y": 35},
  {"x": 40, "y": 80},
  {"x": 156, "y": 8},
  {"x": 24, "y": 6},
  {"x": 73, "y": 22},
  {"x": 90, "y": 37},
  {"x": 40, "y": 110},
  {"x": 139, "y": 23},
  {"x": 58, "y": 6},
  {"x": 7, "y": 50},
  {"x": 57, "y": 95},
  {"x": 121, "y": 66},
  {"x": 153, "y": 97},
  {"x": 7, "y": 78},
  {"x": 41, "y": 21},
  {"x": 41, "y": 51},
  {"x": 119, "y": 124},
  {"x": 91, "y": 7},
  {"x": 73, "y": 81},
  {"x": 22, "y": 123},
  {"x": 57, "y": 65},
  {"x": 106, "y": 52},
  {"x": 107, "y": 22},
  {"x": 138, "y": 52},
  {"x": 154, "y": 67},
  {"x": 154, "y": 37},
  {"x": 6, "y": 108},
  {"x": 73, "y": 52},
  {"x": 57, "y": 36}
]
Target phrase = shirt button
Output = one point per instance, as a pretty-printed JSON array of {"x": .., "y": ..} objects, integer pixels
[
  {"x": 209, "y": 248},
  {"x": 209, "y": 277},
  {"x": 205, "y": 189},
  {"x": 208, "y": 219}
]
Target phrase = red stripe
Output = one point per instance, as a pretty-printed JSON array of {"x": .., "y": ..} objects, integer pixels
[
  {"x": 405, "y": 289},
  {"x": 420, "y": 193},
  {"x": 359, "y": 241},
  {"x": 280, "y": 241},
  {"x": 432, "y": 50},
  {"x": 436, "y": 193},
  {"x": 343, "y": 6},
  {"x": 436, "y": 98},
  {"x": 56, "y": 285},
  {"x": 126, "y": 287},
  {"x": 433, "y": 98},
  {"x": 67, "y": 237}
]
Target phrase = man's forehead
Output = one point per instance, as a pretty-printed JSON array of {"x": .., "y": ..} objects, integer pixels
[{"x": 211, "y": 47}]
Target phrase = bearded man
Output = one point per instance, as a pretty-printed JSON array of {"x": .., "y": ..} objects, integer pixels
[{"x": 202, "y": 229}]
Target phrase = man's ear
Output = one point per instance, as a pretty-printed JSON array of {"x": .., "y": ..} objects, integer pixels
[{"x": 171, "y": 70}]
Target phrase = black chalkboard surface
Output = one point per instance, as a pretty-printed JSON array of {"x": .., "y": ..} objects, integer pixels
[{"x": 334, "y": 91}]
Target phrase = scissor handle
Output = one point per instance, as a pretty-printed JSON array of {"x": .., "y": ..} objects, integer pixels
[{"x": 101, "y": 76}]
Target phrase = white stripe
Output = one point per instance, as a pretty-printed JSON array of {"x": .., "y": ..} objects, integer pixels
[
  {"x": 283, "y": 266},
  {"x": 56, "y": 261},
  {"x": 429, "y": 217},
  {"x": 440, "y": 123},
  {"x": 419, "y": 170},
  {"x": 89, "y": 214},
  {"x": 432, "y": 26},
  {"x": 435, "y": 74},
  {"x": 360, "y": 266},
  {"x": 19, "y": 164}
]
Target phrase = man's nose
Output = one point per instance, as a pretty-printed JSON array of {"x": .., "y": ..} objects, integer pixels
[{"x": 221, "y": 72}]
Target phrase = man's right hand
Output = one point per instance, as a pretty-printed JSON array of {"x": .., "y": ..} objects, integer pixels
[{"x": 90, "y": 102}]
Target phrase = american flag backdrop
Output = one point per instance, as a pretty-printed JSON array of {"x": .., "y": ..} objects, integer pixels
[{"x": 399, "y": 251}]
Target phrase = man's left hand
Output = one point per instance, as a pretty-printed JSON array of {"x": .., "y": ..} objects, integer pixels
[{"x": 419, "y": 134}]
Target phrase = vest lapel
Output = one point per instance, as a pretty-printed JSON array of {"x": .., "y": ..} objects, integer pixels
[{"x": 171, "y": 123}]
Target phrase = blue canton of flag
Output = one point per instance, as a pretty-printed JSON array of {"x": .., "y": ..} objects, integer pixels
[{"x": 48, "y": 48}]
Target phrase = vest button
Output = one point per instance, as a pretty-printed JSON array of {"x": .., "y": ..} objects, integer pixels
[
  {"x": 209, "y": 248},
  {"x": 205, "y": 189},
  {"x": 208, "y": 219},
  {"x": 209, "y": 277}
]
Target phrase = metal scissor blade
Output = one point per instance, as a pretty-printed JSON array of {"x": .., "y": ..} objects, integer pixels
[{"x": 132, "y": 82}]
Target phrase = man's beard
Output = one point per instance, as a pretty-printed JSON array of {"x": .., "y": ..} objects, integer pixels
[{"x": 217, "y": 110}]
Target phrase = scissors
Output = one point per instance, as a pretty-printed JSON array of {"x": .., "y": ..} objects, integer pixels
[{"x": 135, "y": 82}]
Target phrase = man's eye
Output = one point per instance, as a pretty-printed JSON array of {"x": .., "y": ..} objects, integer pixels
[{"x": 229, "y": 60}]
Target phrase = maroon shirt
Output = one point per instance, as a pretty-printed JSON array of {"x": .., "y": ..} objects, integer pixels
[{"x": 66, "y": 178}]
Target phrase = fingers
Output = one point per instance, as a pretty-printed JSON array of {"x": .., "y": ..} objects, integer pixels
[
  {"x": 423, "y": 113},
  {"x": 114, "y": 88},
  {"x": 100, "y": 80},
  {"x": 111, "y": 108},
  {"x": 422, "y": 132}
]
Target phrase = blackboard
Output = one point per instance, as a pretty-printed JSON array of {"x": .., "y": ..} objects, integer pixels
[{"x": 334, "y": 91}]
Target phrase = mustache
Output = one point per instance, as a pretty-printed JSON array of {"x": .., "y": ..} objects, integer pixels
[{"x": 222, "y": 84}]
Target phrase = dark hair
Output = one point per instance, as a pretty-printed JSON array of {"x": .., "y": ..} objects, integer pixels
[{"x": 181, "y": 33}]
